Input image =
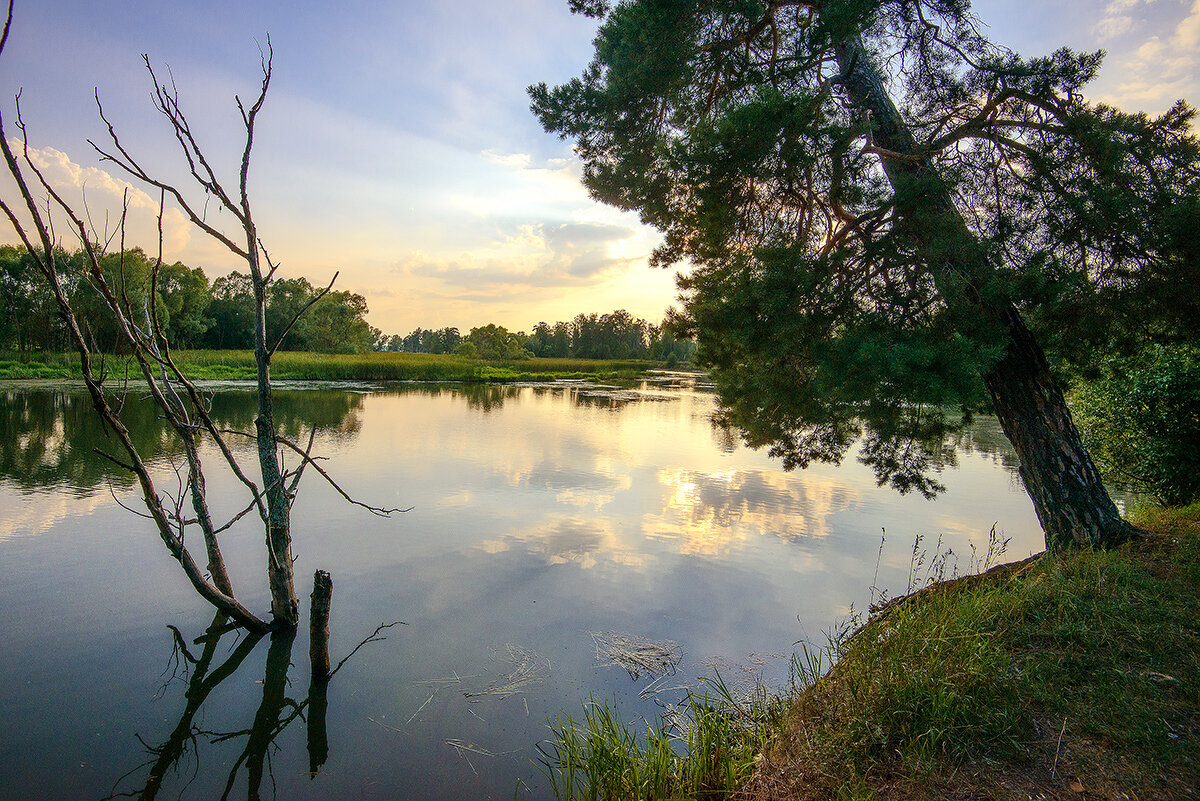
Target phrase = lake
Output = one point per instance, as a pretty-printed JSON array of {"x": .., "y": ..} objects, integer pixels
[{"x": 548, "y": 524}]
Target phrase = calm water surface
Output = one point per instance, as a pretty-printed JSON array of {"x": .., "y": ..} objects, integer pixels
[{"x": 542, "y": 517}]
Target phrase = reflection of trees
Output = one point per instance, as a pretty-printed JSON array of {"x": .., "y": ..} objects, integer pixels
[
  {"x": 906, "y": 451},
  {"x": 487, "y": 398},
  {"x": 984, "y": 436},
  {"x": 334, "y": 412},
  {"x": 725, "y": 437},
  {"x": 275, "y": 713},
  {"x": 188, "y": 736},
  {"x": 185, "y": 736},
  {"x": 51, "y": 435}
]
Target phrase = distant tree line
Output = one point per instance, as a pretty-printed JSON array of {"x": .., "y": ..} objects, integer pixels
[
  {"x": 617, "y": 335},
  {"x": 193, "y": 313}
]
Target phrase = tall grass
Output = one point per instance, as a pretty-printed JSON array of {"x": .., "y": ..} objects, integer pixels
[
  {"x": 239, "y": 365},
  {"x": 705, "y": 748},
  {"x": 218, "y": 364},
  {"x": 38, "y": 365}
]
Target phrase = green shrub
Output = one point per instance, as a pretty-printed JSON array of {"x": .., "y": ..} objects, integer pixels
[{"x": 1142, "y": 423}]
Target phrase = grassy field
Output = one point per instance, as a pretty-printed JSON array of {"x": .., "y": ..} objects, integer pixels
[
  {"x": 1069, "y": 677},
  {"x": 233, "y": 365}
]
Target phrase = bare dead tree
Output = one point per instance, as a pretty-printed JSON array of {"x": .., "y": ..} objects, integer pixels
[{"x": 184, "y": 406}]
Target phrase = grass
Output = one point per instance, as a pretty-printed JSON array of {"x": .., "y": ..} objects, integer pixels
[
  {"x": 1051, "y": 678},
  {"x": 239, "y": 365},
  {"x": 28, "y": 366},
  {"x": 705, "y": 747}
]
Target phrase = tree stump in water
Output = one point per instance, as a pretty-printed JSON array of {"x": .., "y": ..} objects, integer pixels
[{"x": 318, "y": 625}]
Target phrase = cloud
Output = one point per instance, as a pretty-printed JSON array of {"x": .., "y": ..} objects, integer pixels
[
  {"x": 1163, "y": 66},
  {"x": 97, "y": 197},
  {"x": 574, "y": 235},
  {"x": 531, "y": 257},
  {"x": 1116, "y": 20},
  {"x": 1187, "y": 33},
  {"x": 517, "y": 160},
  {"x": 1112, "y": 27}
]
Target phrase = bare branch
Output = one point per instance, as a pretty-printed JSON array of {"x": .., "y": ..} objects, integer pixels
[
  {"x": 312, "y": 435},
  {"x": 128, "y": 164},
  {"x": 299, "y": 314},
  {"x": 372, "y": 637},
  {"x": 375, "y": 510}
]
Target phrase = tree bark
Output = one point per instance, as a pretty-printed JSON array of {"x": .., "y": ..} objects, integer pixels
[
  {"x": 285, "y": 608},
  {"x": 318, "y": 626},
  {"x": 1071, "y": 502}
]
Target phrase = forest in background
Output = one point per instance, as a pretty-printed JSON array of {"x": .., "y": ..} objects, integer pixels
[{"x": 219, "y": 315}]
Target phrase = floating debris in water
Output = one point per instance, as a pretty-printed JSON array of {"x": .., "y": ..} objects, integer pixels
[
  {"x": 526, "y": 668},
  {"x": 464, "y": 748},
  {"x": 637, "y": 654}
]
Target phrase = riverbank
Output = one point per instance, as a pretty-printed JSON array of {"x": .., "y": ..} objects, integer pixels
[
  {"x": 1053, "y": 678},
  {"x": 229, "y": 365}
]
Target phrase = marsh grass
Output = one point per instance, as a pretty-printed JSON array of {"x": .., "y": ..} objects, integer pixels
[
  {"x": 702, "y": 748},
  {"x": 380, "y": 366},
  {"x": 39, "y": 365},
  {"x": 232, "y": 365}
]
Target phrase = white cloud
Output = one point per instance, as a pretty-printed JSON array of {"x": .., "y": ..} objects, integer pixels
[
  {"x": 1112, "y": 27},
  {"x": 1117, "y": 19},
  {"x": 517, "y": 160},
  {"x": 1187, "y": 34},
  {"x": 97, "y": 197},
  {"x": 532, "y": 256},
  {"x": 1163, "y": 66},
  {"x": 1150, "y": 49}
]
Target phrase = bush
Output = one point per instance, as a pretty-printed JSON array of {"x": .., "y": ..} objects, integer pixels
[{"x": 1142, "y": 423}]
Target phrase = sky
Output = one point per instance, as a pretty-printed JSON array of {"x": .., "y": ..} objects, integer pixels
[{"x": 396, "y": 146}]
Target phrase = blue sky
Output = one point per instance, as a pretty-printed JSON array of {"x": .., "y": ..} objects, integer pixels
[{"x": 396, "y": 144}]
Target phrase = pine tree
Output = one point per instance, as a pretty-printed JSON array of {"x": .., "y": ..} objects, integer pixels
[{"x": 886, "y": 216}]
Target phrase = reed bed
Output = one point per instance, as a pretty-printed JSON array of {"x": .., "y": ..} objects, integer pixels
[
  {"x": 234, "y": 365},
  {"x": 14, "y": 365}
]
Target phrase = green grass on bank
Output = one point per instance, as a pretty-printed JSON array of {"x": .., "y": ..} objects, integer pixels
[
  {"x": 42, "y": 365},
  {"x": 285, "y": 365},
  {"x": 1053, "y": 678}
]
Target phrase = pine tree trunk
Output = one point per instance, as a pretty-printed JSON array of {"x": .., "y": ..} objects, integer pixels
[
  {"x": 1071, "y": 503},
  {"x": 1070, "y": 500}
]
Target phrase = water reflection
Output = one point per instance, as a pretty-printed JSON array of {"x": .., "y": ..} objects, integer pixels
[
  {"x": 571, "y": 539},
  {"x": 707, "y": 513},
  {"x": 51, "y": 436},
  {"x": 542, "y": 513},
  {"x": 188, "y": 741},
  {"x": 186, "y": 736},
  {"x": 486, "y": 398}
]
